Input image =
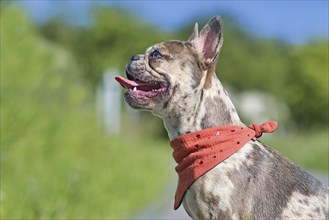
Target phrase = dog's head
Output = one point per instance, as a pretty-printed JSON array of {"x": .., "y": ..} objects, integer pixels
[{"x": 171, "y": 71}]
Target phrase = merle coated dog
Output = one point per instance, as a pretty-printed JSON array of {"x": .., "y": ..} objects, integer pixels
[{"x": 176, "y": 81}]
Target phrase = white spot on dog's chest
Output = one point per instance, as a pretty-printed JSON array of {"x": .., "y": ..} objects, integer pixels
[{"x": 209, "y": 195}]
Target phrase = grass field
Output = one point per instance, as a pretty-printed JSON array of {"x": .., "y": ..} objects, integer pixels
[{"x": 111, "y": 180}]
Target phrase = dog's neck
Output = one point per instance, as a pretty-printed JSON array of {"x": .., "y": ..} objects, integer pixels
[{"x": 208, "y": 107}]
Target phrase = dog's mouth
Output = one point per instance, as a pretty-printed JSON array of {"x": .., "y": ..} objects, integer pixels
[{"x": 141, "y": 88}]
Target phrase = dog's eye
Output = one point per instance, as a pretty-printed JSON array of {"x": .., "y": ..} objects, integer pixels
[{"x": 156, "y": 54}]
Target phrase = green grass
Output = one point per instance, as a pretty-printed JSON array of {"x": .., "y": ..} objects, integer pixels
[
  {"x": 110, "y": 179},
  {"x": 307, "y": 149},
  {"x": 56, "y": 161}
]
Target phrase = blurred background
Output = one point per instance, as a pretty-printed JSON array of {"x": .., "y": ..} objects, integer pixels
[{"x": 70, "y": 146}]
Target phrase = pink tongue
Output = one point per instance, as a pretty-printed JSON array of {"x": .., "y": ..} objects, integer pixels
[{"x": 126, "y": 83}]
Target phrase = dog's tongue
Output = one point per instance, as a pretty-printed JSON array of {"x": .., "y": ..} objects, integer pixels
[
  {"x": 137, "y": 85},
  {"x": 126, "y": 83}
]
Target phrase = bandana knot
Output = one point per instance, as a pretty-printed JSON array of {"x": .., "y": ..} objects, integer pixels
[
  {"x": 198, "y": 152},
  {"x": 266, "y": 127}
]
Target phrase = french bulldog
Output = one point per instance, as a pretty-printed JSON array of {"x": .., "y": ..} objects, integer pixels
[{"x": 176, "y": 80}]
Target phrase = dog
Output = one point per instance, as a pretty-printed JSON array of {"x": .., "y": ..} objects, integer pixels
[{"x": 176, "y": 80}]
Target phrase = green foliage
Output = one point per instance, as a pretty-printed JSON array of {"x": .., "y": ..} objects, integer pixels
[
  {"x": 109, "y": 43},
  {"x": 295, "y": 74},
  {"x": 306, "y": 86},
  {"x": 56, "y": 162}
]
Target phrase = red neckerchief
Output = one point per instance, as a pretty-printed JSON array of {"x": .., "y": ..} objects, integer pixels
[{"x": 198, "y": 152}]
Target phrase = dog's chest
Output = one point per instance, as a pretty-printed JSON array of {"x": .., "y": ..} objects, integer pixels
[
  {"x": 212, "y": 195},
  {"x": 256, "y": 183}
]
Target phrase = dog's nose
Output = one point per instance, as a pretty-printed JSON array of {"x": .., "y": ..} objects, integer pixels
[{"x": 135, "y": 57}]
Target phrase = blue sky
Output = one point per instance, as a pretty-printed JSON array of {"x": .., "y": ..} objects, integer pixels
[{"x": 293, "y": 21}]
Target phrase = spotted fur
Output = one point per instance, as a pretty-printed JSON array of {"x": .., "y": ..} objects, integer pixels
[{"x": 256, "y": 182}]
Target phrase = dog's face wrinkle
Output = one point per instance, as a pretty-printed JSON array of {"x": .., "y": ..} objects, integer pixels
[
  {"x": 182, "y": 68},
  {"x": 142, "y": 71},
  {"x": 163, "y": 75},
  {"x": 138, "y": 70},
  {"x": 165, "y": 104}
]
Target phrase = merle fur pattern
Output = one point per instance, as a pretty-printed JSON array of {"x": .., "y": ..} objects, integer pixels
[{"x": 256, "y": 182}]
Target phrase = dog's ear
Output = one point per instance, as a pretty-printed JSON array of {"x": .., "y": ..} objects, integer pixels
[
  {"x": 195, "y": 33},
  {"x": 209, "y": 41}
]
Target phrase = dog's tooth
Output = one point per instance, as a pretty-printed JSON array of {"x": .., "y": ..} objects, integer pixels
[{"x": 135, "y": 89}]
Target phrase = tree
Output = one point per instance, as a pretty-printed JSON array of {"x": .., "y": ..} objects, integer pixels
[
  {"x": 109, "y": 42},
  {"x": 306, "y": 88}
]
